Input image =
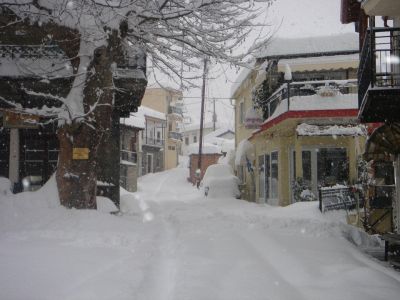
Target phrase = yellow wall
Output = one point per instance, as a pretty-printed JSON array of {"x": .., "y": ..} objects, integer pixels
[
  {"x": 157, "y": 99},
  {"x": 283, "y": 138},
  {"x": 244, "y": 94}
]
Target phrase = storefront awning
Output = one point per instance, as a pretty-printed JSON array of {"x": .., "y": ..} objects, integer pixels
[{"x": 384, "y": 141}]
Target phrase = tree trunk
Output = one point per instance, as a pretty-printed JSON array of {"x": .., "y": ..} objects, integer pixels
[{"x": 76, "y": 176}]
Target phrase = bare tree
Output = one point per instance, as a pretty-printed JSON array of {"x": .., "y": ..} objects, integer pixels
[{"x": 99, "y": 37}]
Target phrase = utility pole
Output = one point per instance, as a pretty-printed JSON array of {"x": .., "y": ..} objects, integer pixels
[{"x": 203, "y": 92}]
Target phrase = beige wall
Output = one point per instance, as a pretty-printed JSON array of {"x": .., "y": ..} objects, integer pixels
[
  {"x": 160, "y": 99},
  {"x": 244, "y": 95},
  {"x": 282, "y": 138}
]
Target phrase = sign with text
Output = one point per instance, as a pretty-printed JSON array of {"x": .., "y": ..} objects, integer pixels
[
  {"x": 80, "y": 153},
  {"x": 19, "y": 120}
]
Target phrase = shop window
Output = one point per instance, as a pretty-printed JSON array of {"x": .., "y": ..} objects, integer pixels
[{"x": 332, "y": 166}]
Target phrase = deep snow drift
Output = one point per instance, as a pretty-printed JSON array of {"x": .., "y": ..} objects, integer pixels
[{"x": 172, "y": 243}]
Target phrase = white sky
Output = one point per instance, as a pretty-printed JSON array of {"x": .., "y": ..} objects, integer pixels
[{"x": 287, "y": 18}]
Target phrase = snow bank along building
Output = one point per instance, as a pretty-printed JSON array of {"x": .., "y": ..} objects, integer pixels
[
  {"x": 32, "y": 66},
  {"x": 378, "y": 24},
  {"x": 304, "y": 91}
]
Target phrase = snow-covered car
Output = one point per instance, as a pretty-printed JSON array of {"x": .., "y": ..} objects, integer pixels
[{"x": 219, "y": 181}]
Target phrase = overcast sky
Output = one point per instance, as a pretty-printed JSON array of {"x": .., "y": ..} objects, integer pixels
[{"x": 287, "y": 18}]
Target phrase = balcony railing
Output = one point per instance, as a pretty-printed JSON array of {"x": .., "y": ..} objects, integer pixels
[
  {"x": 129, "y": 156},
  {"x": 380, "y": 61},
  {"x": 151, "y": 141},
  {"x": 175, "y": 135},
  {"x": 175, "y": 110},
  {"x": 322, "y": 88}
]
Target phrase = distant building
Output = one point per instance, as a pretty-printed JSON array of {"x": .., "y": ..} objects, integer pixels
[
  {"x": 191, "y": 134},
  {"x": 169, "y": 102},
  {"x": 149, "y": 142}
]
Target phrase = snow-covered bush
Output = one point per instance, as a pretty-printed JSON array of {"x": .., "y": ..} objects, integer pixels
[{"x": 301, "y": 191}]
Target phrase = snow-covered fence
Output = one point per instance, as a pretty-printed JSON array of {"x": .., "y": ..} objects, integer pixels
[{"x": 336, "y": 197}]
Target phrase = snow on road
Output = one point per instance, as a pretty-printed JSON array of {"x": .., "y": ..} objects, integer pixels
[{"x": 172, "y": 243}]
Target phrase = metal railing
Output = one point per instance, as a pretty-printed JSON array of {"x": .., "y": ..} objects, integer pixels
[
  {"x": 129, "y": 156},
  {"x": 175, "y": 110},
  {"x": 175, "y": 135},
  {"x": 151, "y": 141},
  {"x": 308, "y": 88},
  {"x": 380, "y": 60}
]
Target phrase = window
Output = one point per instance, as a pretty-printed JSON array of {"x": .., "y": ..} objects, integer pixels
[
  {"x": 186, "y": 141},
  {"x": 171, "y": 148},
  {"x": 195, "y": 139},
  {"x": 170, "y": 127},
  {"x": 274, "y": 175},
  {"x": 332, "y": 166}
]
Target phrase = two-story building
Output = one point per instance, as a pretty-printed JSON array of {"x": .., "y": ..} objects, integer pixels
[
  {"x": 378, "y": 24},
  {"x": 169, "y": 102},
  {"x": 306, "y": 91}
]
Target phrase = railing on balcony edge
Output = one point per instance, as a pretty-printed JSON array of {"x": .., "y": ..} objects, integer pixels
[
  {"x": 129, "y": 156},
  {"x": 150, "y": 141},
  {"x": 175, "y": 135},
  {"x": 309, "y": 88},
  {"x": 380, "y": 60}
]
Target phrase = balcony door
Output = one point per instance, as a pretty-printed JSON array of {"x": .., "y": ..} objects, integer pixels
[{"x": 149, "y": 159}]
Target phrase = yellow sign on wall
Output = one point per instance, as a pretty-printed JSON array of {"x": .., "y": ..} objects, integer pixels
[{"x": 80, "y": 153}]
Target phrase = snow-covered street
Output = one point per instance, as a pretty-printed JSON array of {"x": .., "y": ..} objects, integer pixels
[{"x": 172, "y": 243}]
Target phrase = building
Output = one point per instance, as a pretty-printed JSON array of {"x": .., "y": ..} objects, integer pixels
[
  {"x": 131, "y": 154},
  {"x": 378, "y": 24},
  {"x": 33, "y": 66},
  {"x": 191, "y": 135},
  {"x": 306, "y": 92},
  {"x": 169, "y": 102}
]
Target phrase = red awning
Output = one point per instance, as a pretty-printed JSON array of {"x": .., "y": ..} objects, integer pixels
[{"x": 349, "y": 12}]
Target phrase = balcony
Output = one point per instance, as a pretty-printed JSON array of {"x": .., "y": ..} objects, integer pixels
[
  {"x": 175, "y": 135},
  {"x": 320, "y": 96},
  {"x": 154, "y": 142},
  {"x": 128, "y": 157},
  {"x": 379, "y": 76},
  {"x": 175, "y": 110}
]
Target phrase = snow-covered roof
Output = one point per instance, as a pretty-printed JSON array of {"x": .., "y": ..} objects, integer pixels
[
  {"x": 310, "y": 45},
  {"x": 218, "y": 133},
  {"x": 196, "y": 126},
  {"x": 138, "y": 119},
  {"x": 334, "y": 130},
  {"x": 54, "y": 67},
  {"x": 206, "y": 149}
]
